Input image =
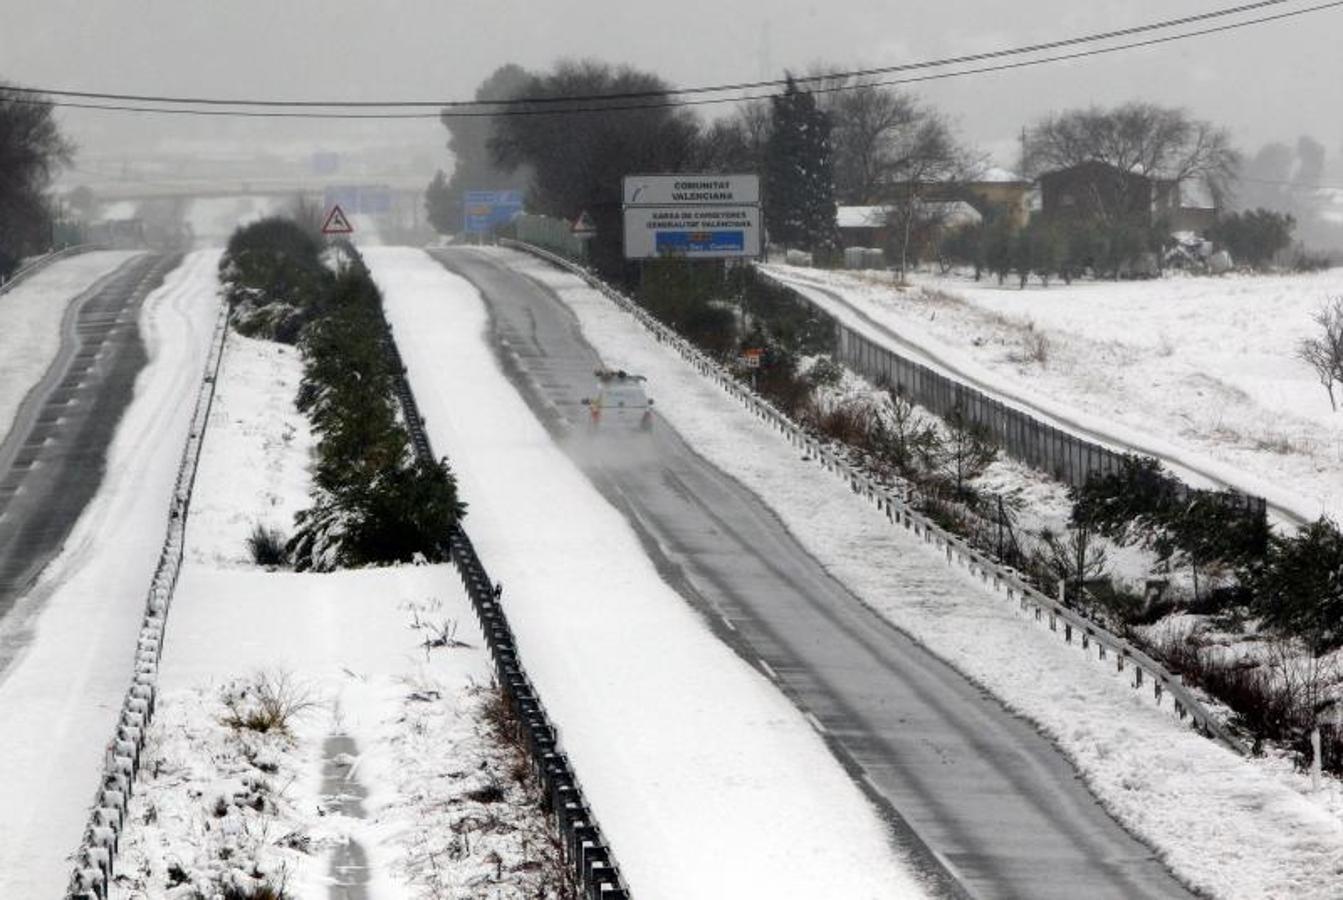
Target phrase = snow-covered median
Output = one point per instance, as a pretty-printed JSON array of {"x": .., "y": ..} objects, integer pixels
[
  {"x": 1230, "y": 827},
  {"x": 706, "y": 780},
  {"x": 30, "y": 322},
  {"x": 318, "y": 733}
]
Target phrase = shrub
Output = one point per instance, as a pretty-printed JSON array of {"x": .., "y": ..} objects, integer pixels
[
  {"x": 273, "y": 276},
  {"x": 267, "y": 546},
  {"x": 267, "y": 703},
  {"x": 1254, "y": 237},
  {"x": 825, "y": 372}
]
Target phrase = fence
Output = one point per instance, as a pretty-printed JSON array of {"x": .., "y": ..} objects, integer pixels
[
  {"x": 96, "y": 857},
  {"x": 553, "y": 234},
  {"x": 1074, "y": 629},
  {"x": 585, "y": 848}
]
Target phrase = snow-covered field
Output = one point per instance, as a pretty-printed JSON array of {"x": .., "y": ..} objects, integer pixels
[
  {"x": 692, "y": 761},
  {"x": 1228, "y": 826},
  {"x": 30, "y": 322},
  {"x": 75, "y": 633},
  {"x": 1203, "y": 367}
]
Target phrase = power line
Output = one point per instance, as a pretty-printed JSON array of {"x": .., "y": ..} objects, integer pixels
[
  {"x": 609, "y": 108},
  {"x": 672, "y": 92},
  {"x": 1304, "y": 185}
]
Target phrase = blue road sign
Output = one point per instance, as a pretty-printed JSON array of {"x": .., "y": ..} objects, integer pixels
[
  {"x": 688, "y": 243},
  {"x": 484, "y": 211}
]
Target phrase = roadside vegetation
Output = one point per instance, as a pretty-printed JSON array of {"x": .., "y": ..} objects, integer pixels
[
  {"x": 31, "y": 150},
  {"x": 374, "y": 501},
  {"x": 1269, "y": 604}
]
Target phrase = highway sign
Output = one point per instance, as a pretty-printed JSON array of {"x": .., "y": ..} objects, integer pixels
[
  {"x": 336, "y": 223},
  {"x": 694, "y": 232},
  {"x": 484, "y": 211},
  {"x": 675, "y": 190}
]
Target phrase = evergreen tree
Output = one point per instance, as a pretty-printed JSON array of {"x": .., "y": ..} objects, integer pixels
[
  {"x": 443, "y": 211},
  {"x": 799, "y": 179},
  {"x": 1300, "y": 589}
]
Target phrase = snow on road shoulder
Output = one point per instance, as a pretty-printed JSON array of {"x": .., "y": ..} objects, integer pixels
[
  {"x": 75, "y": 634},
  {"x": 30, "y": 322},
  {"x": 1233, "y": 828},
  {"x": 698, "y": 769}
]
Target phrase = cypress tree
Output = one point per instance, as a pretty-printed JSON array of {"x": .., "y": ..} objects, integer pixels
[{"x": 799, "y": 173}]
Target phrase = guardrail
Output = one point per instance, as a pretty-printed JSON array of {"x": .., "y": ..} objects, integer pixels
[
  {"x": 1074, "y": 628},
  {"x": 586, "y": 850},
  {"x": 43, "y": 261},
  {"x": 95, "y": 859}
]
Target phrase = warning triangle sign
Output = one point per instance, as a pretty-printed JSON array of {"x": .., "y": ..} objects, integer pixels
[
  {"x": 584, "y": 226},
  {"x": 336, "y": 223}
]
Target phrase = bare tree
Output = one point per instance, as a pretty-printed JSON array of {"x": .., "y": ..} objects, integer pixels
[
  {"x": 1324, "y": 353},
  {"x": 870, "y": 126},
  {"x": 926, "y": 166},
  {"x": 1137, "y": 138}
]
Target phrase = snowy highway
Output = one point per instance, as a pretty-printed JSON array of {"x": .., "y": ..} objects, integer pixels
[
  {"x": 68, "y": 641},
  {"x": 52, "y": 460},
  {"x": 992, "y": 800}
]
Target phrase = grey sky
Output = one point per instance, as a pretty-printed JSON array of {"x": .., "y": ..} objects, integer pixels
[{"x": 1271, "y": 82}]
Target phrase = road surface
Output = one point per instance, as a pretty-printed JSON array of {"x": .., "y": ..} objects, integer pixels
[
  {"x": 53, "y": 458},
  {"x": 993, "y": 801}
]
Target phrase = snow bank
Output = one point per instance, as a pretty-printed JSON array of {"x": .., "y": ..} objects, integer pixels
[
  {"x": 73, "y": 637},
  {"x": 699, "y": 770},
  {"x": 246, "y": 475},
  {"x": 30, "y": 322},
  {"x": 1234, "y": 828}
]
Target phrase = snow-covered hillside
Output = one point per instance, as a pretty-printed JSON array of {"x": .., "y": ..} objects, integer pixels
[{"x": 1207, "y": 365}]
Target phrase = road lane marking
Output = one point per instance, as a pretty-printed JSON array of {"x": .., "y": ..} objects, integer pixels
[
  {"x": 769, "y": 670},
  {"x": 816, "y": 723}
]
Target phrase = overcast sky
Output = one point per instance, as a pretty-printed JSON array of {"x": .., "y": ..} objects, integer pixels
[{"x": 1270, "y": 82}]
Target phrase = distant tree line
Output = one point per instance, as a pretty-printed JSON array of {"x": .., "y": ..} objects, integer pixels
[{"x": 31, "y": 150}]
